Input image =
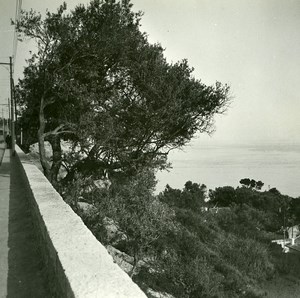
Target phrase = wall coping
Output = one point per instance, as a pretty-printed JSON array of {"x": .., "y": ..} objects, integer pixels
[{"x": 85, "y": 262}]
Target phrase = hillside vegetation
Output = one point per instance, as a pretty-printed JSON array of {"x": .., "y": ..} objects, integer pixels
[{"x": 187, "y": 250}]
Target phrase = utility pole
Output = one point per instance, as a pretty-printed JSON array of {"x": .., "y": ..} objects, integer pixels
[
  {"x": 13, "y": 137},
  {"x": 3, "y": 125},
  {"x": 12, "y": 131},
  {"x": 16, "y": 116},
  {"x": 9, "y": 119}
]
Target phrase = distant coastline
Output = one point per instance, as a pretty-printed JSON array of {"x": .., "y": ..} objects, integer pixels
[{"x": 276, "y": 164}]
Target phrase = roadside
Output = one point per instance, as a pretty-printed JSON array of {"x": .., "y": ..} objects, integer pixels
[{"x": 22, "y": 272}]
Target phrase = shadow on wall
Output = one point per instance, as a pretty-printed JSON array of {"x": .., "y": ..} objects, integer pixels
[{"x": 26, "y": 273}]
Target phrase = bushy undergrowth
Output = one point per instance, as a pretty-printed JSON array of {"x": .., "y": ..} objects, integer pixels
[{"x": 190, "y": 252}]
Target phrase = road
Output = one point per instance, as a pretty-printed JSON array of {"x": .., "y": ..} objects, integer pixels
[{"x": 22, "y": 273}]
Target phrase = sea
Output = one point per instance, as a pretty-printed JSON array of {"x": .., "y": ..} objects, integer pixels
[{"x": 276, "y": 165}]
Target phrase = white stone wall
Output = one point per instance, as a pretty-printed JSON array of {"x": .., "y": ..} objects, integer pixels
[{"x": 77, "y": 263}]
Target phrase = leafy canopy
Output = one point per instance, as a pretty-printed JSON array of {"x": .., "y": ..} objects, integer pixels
[{"x": 98, "y": 83}]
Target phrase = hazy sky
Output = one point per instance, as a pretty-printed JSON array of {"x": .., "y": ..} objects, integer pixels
[{"x": 252, "y": 45}]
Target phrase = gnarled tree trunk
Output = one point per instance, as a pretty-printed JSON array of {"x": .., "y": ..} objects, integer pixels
[
  {"x": 56, "y": 158},
  {"x": 41, "y": 139}
]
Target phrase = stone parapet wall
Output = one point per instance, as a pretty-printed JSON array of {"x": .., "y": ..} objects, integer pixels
[{"x": 78, "y": 265}]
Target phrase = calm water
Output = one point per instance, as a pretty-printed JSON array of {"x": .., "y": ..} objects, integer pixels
[{"x": 275, "y": 165}]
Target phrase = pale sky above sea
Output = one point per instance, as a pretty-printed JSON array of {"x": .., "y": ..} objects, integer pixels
[
  {"x": 225, "y": 165},
  {"x": 252, "y": 45}
]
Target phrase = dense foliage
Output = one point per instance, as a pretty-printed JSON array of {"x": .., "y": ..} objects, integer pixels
[
  {"x": 192, "y": 248},
  {"x": 96, "y": 82},
  {"x": 252, "y": 183}
]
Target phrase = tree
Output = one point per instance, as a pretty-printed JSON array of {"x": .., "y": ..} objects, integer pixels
[
  {"x": 192, "y": 197},
  {"x": 46, "y": 111},
  {"x": 246, "y": 182},
  {"x": 252, "y": 183},
  {"x": 98, "y": 83},
  {"x": 259, "y": 185},
  {"x": 223, "y": 196}
]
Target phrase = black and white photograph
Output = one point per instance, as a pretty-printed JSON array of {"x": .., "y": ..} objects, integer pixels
[{"x": 149, "y": 148}]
